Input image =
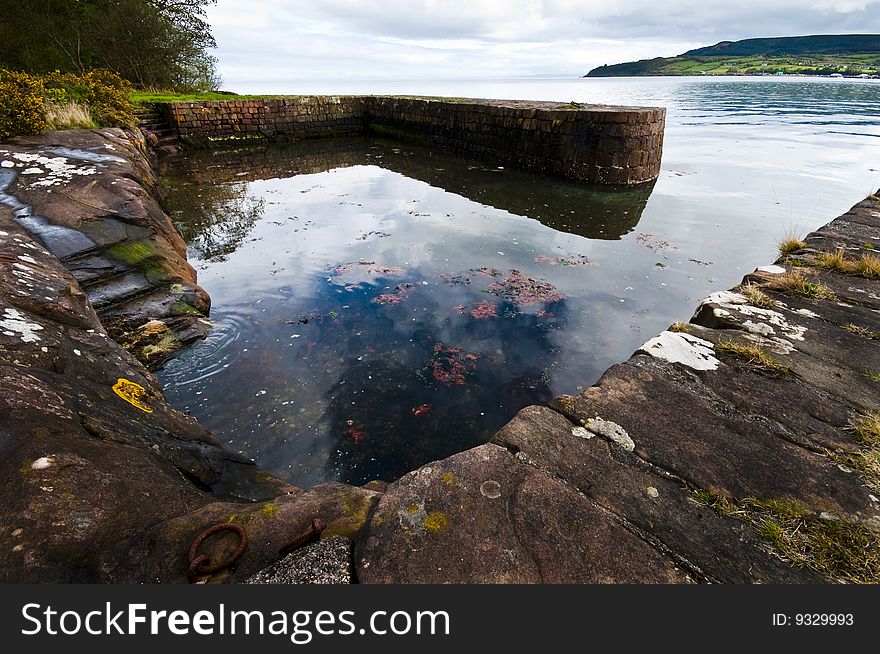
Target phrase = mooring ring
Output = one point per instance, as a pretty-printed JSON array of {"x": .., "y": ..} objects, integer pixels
[{"x": 198, "y": 563}]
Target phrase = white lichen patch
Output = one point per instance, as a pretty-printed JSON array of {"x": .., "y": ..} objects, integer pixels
[
  {"x": 42, "y": 463},
  {"x": 53, "y": 171},
  {"x": 652, "y": 492},
  {"x": 610, "y": 430},
  {"x": 759, "y": 328},
  {"x": 27, "y": 258},
  {"x": 771, "y": 270},
  {"x": 581, "y": 432},
  {"x": 760, "y": 321},
  {"x": 685, "y": 349},
  {"x": 807, "y": 313},
  {"x": 774, "y": 344},
  {"x": 725, "y": 297},
  {"x": 15, "y": 323}
]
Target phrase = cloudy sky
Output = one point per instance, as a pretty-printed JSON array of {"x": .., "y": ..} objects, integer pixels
[{"x": 276, "y": 41}]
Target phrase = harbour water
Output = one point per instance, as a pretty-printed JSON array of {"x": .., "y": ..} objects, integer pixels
[{"x": 379, "y": 305}]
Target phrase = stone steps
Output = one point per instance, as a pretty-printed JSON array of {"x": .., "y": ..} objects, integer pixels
[{"x": 161, "y": 135}]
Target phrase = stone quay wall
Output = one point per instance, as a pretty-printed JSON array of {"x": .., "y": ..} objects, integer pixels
[
  {"x": 590, "y": 143},
  {"x": 201, "y": 123}
]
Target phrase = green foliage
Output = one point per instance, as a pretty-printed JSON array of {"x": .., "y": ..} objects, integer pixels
[
  {"x": 26, "y": 99},
  {"x": 151, "y": 43},
  {"x": 22, "y": 108}
]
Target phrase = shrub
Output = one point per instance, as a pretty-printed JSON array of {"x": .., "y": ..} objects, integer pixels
[
  {"x": 22, "y": 107},
  {"x": 31, "y": 104}
]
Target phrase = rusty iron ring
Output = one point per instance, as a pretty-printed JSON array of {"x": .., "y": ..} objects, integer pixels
[{"x": 198, "y": 563}]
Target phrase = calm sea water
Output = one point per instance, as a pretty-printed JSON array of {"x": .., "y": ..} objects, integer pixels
[{"x": 379, "y": 305}]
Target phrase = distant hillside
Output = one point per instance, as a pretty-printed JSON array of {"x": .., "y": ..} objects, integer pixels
[
  {"x": 792, "y": 45},
  {"x": 844, "y": 54}
]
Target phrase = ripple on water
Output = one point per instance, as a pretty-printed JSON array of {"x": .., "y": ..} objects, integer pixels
[{"x": 210, "y": 356}]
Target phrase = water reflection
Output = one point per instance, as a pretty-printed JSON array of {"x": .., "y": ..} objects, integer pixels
[
  {"x": 369, "y": 321},
  {"x": 218, "y": 217},
  {"x": 216, "y": 177}
]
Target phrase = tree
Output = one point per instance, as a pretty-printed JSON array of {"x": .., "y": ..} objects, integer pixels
[{"x": 161, "y": 44}]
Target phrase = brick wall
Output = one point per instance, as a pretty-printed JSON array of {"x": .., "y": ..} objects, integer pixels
[{"x": 591, "y": 143}]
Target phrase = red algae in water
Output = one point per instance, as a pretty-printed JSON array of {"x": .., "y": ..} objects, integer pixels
[
  {"x": 393, "y": 298},
  {"x": 355, "y": 435},
  {"x": 522, "y": 290},
  {"x": 484, "y": 309},
  {"x": 451, "y": 365},
  {"x": 421, "y": 410}
]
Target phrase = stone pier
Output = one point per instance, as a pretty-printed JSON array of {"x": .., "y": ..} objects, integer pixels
[{"x": 591, "y": 143}]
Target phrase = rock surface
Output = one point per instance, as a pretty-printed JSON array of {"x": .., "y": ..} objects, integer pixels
[
  {"x": 93, "y": 200},
  {"x": 485, "y": 516}
]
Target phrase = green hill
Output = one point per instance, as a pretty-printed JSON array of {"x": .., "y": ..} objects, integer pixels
[{"x": 844, "y": 54}]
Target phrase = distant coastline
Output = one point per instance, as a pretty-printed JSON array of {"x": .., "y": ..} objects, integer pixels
[{"x": 846, "y": 55}]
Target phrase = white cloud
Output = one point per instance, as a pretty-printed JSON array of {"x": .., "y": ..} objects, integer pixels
[{"x": 278, "y": 41}]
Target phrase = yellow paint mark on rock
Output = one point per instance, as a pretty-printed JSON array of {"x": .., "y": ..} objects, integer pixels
[
  {"x": 436, "y": 522},
  {"x": 132, "y": 393}
]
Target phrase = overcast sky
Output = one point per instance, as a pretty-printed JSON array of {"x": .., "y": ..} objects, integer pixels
[{"x": 275, "y": 41}]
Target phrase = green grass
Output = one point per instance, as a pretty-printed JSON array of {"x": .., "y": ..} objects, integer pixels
[
  {"x": 837, "y": 549},
  {"x": 794, "y": 282},
  {"x": 872, "y": 375},
  {"x": 861, "y": 331},
  {"x": 866, "y": 460},
  {"x": 867, "y": 265},
  {"x": 144, "y": 97},
  {"x": 147, "y": 97},
  {"x": 791, "y": 243},
  {"x": 681, "y": 327},
  {"x": 754, "y": 355},
  {"x": 757, "y": 297}
]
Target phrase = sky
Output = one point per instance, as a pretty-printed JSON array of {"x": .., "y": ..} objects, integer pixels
[{"x": 277, "y": 41}]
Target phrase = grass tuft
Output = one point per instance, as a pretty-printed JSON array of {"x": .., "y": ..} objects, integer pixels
[
  {"x": 681, "y": 327},
  {"x": 873, "y": 375},
  {"x": 839, "y": 550},
  {"x": 795, "y": 282},
  {"x": 867, "y": 428},
  {"x": 861, "y": 331},
  {"x": 755, "y": 355},
  {"x": 791, "y": 243},
  {"x": 867, "y": 265},
  {"x": 69, "y": 116},
  {"x": 757, "y": 297},
  {"x": 867, "y": 459}
]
